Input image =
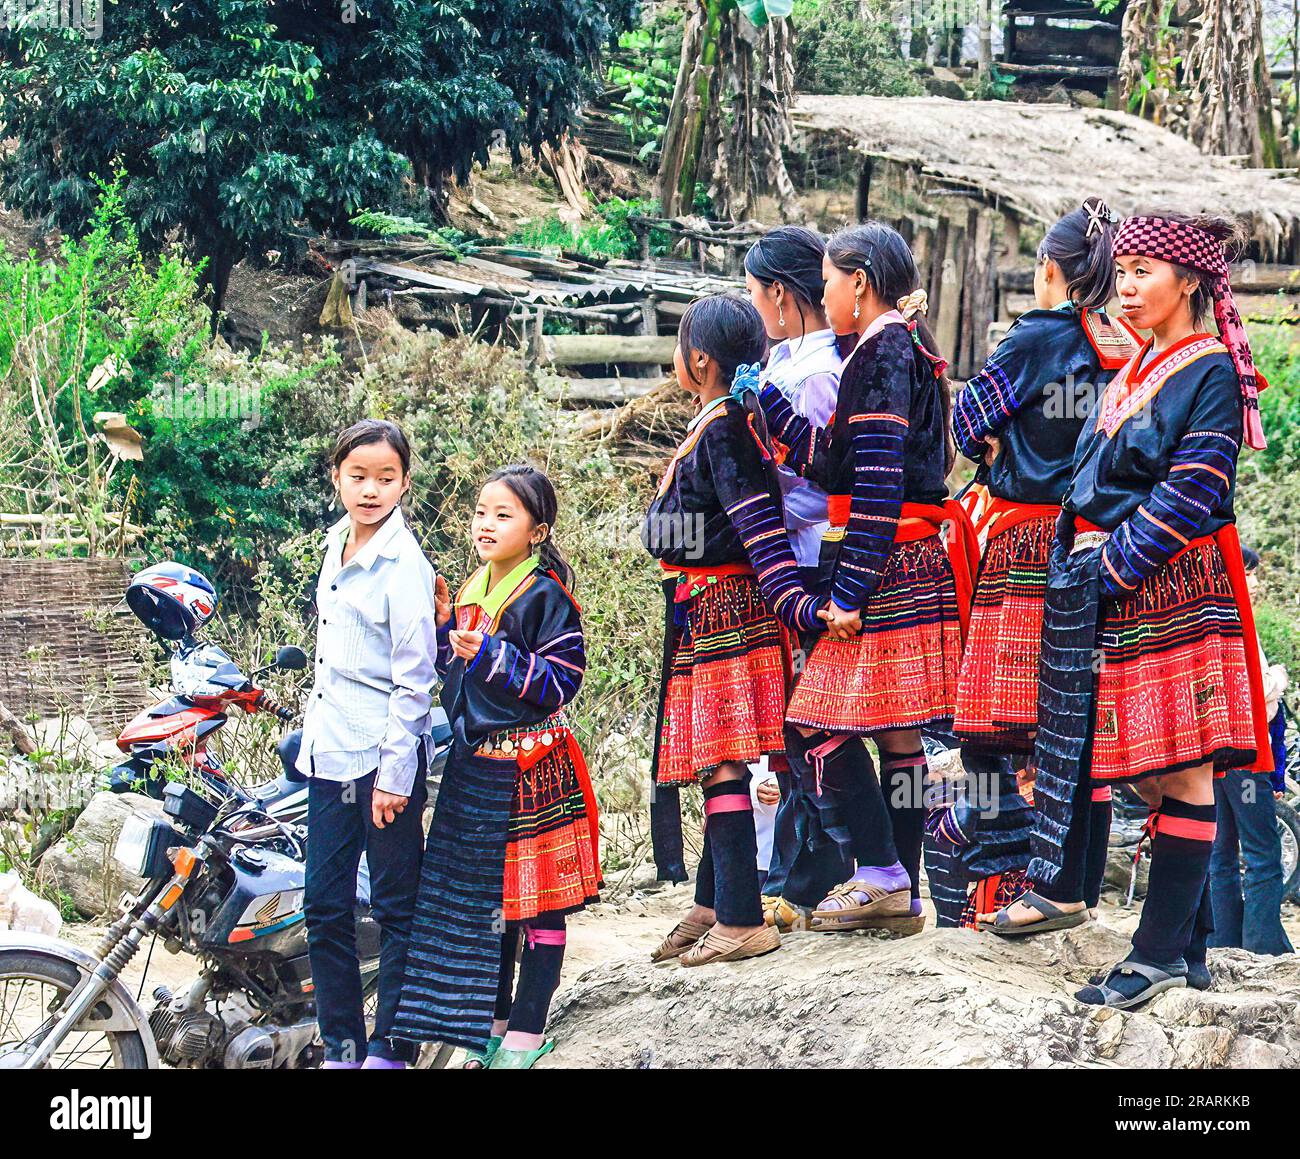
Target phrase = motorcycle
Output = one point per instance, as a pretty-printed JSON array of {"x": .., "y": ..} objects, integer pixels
[{"x": 224, "y": 871}]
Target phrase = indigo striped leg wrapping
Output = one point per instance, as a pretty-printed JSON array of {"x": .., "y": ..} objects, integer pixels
[
  {"x": 453, "y": 961},
  {"x": 1067, "y": 697}
]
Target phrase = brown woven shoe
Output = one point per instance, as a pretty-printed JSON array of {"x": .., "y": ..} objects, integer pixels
[
  {"x": 680, "y": 939},
  {"x": 714, "y": 947}
]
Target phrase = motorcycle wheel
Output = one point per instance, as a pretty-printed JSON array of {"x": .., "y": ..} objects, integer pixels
[
  {"x": 34, "y": 986},
  {"x": 1288, "y": 827}
]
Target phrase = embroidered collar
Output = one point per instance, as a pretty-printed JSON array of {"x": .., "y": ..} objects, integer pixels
[
  {"x": 475, "y": 592},
  {"x": 1136, "y": 385},
  {"x": 707, "y": 409},
  {"x": 877, "y": 325}
]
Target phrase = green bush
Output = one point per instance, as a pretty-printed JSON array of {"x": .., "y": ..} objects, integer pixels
[
  {"x": 837, "y": 50},
  {"x": 608, "y": 235}
]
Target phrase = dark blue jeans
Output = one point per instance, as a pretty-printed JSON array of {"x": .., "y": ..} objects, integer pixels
[
  {"x": 1248, "y": 917},
  {"x": 339, "y": 829}
]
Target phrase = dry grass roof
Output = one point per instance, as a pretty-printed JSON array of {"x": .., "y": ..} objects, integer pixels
[{"x": 1040, "y": 161}]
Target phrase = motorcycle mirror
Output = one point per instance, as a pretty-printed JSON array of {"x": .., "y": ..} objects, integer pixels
[{"x": 290, "y": 658}]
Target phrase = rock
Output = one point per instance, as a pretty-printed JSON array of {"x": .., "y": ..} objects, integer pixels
[
  {"x": 1119, "y": 870},
  {"x": 81, "y": 863},
  {"x": 20, "y": 909},
  {"x": 943, "y": 82},
  {"x": 944, "y": 998}
]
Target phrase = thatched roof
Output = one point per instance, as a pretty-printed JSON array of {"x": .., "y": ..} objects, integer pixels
[{"x": 1037, "y": 162}]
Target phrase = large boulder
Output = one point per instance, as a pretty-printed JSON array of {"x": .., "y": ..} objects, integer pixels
[
  {"x": 81, "y": 863},
  {"x": 944, "y": 998}
]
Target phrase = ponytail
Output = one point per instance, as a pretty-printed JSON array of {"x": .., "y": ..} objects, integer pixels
[{"x": 1080, "y": 244}]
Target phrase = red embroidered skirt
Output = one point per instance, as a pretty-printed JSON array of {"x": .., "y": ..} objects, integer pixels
[
  {"x": 726, "y": 686},
  {"x": 552, "y": 863},
  {"x": 997, "y": 690},
  {"x": 900, "y": 671},
  {"x": 1173, "y": 689}
]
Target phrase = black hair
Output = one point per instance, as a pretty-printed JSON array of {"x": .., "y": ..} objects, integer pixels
[
  {"x": 368, "y": 431},
  {"x": 1228, "y": 232},
  {"x": 791, "y": 255},
  {"x": 882, "y": 254},
  {"x": 1080, "y": 244},
  {"x": 533, "y": 489},
  {"x": 1249, "y": 557},
  {"x": 727, "y": 328}
]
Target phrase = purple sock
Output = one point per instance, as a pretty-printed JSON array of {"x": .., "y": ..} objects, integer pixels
[
  {"x": 891, "y": 878},
  {"x": 334, "y": 1064},
  {"x": 374, "y": 1062}
]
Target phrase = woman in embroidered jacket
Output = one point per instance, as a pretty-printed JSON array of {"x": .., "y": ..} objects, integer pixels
[
  {"x": 715, "y": 526},
  {"x": 812, "y": 845},
  {"x": 887, "y": 666},
  {"x": 513, "y": 844},
  {"x": 1146, "y": 674},
  {"x": 1020, "y": 417}
]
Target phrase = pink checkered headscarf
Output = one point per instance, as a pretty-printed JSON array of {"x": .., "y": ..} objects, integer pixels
[{"x": 1186, "y": 245}]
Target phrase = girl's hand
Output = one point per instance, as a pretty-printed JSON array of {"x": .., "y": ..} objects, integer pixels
[
  {"x": 384, "y": 807},
  {"x": 441, "y": 601},
  {"x": 465, "y": 644},
  {"x": 841, "y": 624},
  {"x": 768, "y": 793},
  {"x": 994, "y": 450}
]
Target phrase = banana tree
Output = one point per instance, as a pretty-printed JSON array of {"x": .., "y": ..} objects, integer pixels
[{"x": 736, "y": 64}]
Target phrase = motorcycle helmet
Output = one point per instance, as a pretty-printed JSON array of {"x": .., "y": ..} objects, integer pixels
[{"x": 172, "y": 600}]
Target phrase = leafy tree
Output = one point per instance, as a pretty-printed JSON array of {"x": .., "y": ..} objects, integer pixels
[{"x": 239, "y": 121}]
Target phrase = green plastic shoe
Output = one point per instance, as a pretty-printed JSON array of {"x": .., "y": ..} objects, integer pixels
[
  {"x": 520, "y": 1059},
  {"x": 482, "y": 1059}
]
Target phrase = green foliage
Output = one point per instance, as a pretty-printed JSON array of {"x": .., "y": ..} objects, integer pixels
[
  {"x": 608, "y": 236},
  {"x": 1268, "y": 495},
  {"x": 237, "y": 122},
  {"x": 450, "y": 243},
  {"x": 999, "y": 86},
  {"x": 836, "y": 51},
  {"x": 642, "y": 78},
  {"x": 760, "y": 12}
]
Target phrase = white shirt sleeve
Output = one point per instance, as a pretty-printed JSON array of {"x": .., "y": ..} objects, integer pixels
[{"x": 415, "y": 646}]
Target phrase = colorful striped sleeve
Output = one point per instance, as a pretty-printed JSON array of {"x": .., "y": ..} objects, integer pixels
[
  {"x": 988, "y": 400},
  {"x": 877, "y": 386},
  {"x": 1201, "y": 473},
  {"x": 789, "y": 428},
  {"x": 735, "y": 460},
  {"x": 548, "y": 677}
]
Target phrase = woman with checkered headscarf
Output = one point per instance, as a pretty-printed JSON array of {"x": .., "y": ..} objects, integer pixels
[{"x": 1146, "y": 674}]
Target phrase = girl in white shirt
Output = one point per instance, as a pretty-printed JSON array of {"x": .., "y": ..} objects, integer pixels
[{"x": 364, "y": 741}]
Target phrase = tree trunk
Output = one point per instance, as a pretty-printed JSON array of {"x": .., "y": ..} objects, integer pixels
[
  {"x": 1230, "y": 105},
  {"x": 683, "y": 137},
  {"x": 730, "y": 117},
  {"x": 1142, "y": 45}
]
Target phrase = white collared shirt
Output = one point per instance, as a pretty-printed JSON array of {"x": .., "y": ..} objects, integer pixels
[
  {"x": 375, "y": 645},
  {"x": 807, "y": 371}
]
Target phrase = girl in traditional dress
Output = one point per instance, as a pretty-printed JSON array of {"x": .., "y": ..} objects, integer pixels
[
  {"x": 1020, "y": 418},
  {"x": 887, "y": 666},
  {"x": 513, "y": 845},
  {"x": 1150, "y": 672},
  {"x": 811, "y": 852},
  {"x": 715, "y": 525}
]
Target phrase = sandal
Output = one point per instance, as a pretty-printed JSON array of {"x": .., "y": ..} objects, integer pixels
[
  {"x": 1161, "y": 978},
  {"x": 1054, "y": 918},
  {"x": 668, "y": 949},
  {"x": 880, "y": 911},
  {"x": 715, "y": 947},
  {"x": 482, "y": 1059},
  {"x": 786, "y": 916},
  {"x": 520, "y": 1059}
]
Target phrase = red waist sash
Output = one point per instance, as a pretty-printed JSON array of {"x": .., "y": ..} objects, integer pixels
[
  {"x": 1229, "y": 548},
  {"x": 920, "y": 521},
  {"x": 690, "y": 577}
]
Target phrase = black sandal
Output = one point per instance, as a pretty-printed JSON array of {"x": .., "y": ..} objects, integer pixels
[
  {"x": 1054, "y": 918},
  {"x": 1159, "y": 978}
]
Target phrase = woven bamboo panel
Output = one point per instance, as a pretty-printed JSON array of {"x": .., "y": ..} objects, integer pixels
[{"x": 68, "y": 641}]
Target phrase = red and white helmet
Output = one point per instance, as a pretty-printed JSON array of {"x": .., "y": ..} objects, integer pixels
[{"x": 172, "y": 600}]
